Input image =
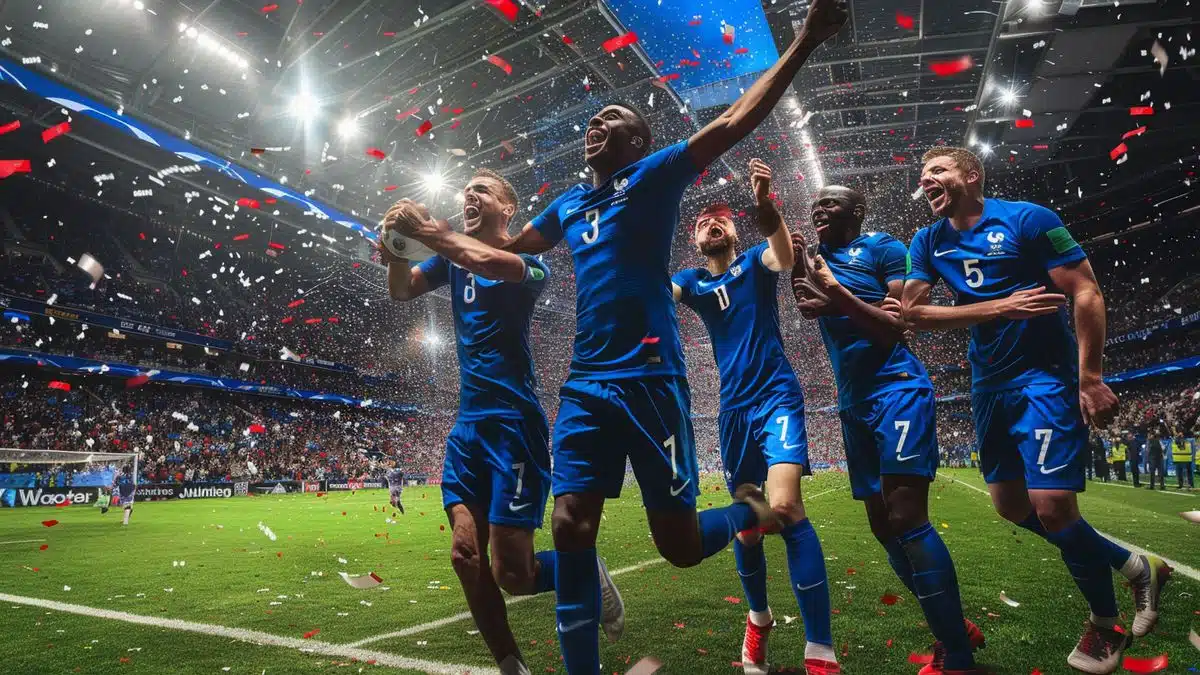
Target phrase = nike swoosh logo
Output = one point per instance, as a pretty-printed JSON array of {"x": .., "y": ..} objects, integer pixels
[
  {"x": 790, "y": 447},
  {"x": 675, "y": 493},
  {"x": 809, "y": 588},
  {"x": 905, "y": 459},
  {"x": 514, "y": 508},
  {"x": 574, "y": 626},
  {"x": 938, "y": 254},
  {"x": 1057, "y": 468}
]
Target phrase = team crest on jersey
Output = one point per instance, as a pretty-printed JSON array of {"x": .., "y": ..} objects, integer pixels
[
  {"x": 856, "y": 251},
  {"x": 996, "y": 241},
  {"x": 622, "y": 184},
  {"x": 736, "y": 270}
]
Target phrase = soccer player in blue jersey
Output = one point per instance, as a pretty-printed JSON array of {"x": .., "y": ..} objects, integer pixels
[
  {"x": 1034, "y": 390},
  {"x": 761, "y": 423},
  {"x": 124, "y": 489},
  {"x": 886, "y": 405},
  {"x": 626, "y": 395},
  {"x": 395, "y": 481},
  {"x": 496, "y": 475}
]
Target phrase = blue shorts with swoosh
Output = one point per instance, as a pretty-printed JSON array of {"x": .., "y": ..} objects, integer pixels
[
  {"x": 891, "y": 433},
  {"x": 756, "y": 437},
  {"x": 500, "y": 463},
  {"x": 1035, "y": 432}
]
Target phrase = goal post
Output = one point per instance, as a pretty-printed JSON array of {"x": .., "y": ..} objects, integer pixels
[{"x": 37, "y": 477}]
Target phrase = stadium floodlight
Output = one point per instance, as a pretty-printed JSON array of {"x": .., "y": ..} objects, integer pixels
[
  {"x": 985, "y": 149},
  {"x": 1008, "y": 96},
  {"x": 139, "y": 5},
  {"x": 434, "y": 182},
  {"x": 348, "y": 127},
  {"x": 193, "y": 33},
  {"x": 304, "y": 106}
]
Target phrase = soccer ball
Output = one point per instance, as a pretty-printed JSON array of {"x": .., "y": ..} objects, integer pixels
[{"x": 403, "y": 247}]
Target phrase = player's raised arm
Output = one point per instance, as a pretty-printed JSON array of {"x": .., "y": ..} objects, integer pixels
[
  {"x": 413, "y": 220},
  {"x": 779, "y": 255},
  {"x": 825, "y": 19}
]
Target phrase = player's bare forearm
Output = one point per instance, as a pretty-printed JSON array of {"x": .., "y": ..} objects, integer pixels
[
  {"x": 751, "y": 108},
  {"x": 1090, "y": 328},
  {"x": 528, "y": 241},
  {"x": 475, "y": 256},
  {"x": 400, "y": 277},
  {"x": 885, "y": 328},
  {"x": 923, "y": 316},
  {"x": 779, "y": 255}
]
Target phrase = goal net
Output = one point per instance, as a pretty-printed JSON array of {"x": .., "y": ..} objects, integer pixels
[{"x": 62, "y": 477}]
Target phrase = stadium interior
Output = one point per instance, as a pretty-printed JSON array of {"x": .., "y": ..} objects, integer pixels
[{"x": 226, "y": 164}]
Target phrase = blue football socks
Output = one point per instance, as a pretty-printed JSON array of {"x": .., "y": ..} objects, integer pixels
[
  {"x": 810, "y": 583},
  {"x": 718, "y": 526},
  {"x": 935, "y": 584},
  {"x": 577, "y": 582},
  {"x": 1086, "y": 554},
  {"x": 898, "y": 559},
  {"x": 752, "y": 568},
  {"x": 544, "y": 579}
]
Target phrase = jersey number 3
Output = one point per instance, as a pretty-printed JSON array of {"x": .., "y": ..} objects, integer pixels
[{"x": 593, "y": 219}]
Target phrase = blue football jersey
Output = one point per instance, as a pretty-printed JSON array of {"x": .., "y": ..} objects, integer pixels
[
  {"x": 1011, "y": 248},
  {"x": 395, "y": 479},
  {"x": 741, "y": 310},
  {"x": 491, "y": 319},
  {"x": 862, "y": 367},
  {"x": 620, "y": 237}
]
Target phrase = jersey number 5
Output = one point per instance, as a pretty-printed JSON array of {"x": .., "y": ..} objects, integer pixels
[
  {"x": 593, "y": 219},
  {"x": 973, "y": 273}
]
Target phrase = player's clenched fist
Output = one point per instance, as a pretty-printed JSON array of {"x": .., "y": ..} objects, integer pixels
[
  {"x": 825, "y": 19},
  {"x": 760, "y": 179}
]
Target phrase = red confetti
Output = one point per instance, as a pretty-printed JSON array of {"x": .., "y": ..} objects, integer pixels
[
  {"x": 49, "y": 523},
  {"x": 457, "y": 124},
  {"x": 1151, "y": 665},
  {"x": 919, "y": 659},
  {"x": 567, "y": 40},
  {"x": 313, "y": 320},
  {"x": 732, "y": 600},
  {"x": 43, "y": 547},
  {"x": 241, "y": 237},
  {"x": 10, "y": 166},
  {"x": 246, "y": 202},
  {"x": 11, "y": 126},
  {"x": 279, "y": 554},
  {"x": 55, "y": 131},
  {"x": 905, "y": 21},
  {"x": 851, "y": 570},
  {"x": 333, "y": 319},
  {"x": 389, "y": 33},
  {"x": 1141, "y": 110},
  {"x": 257, "y": 429},
  {"x": 1118, "y": 151},
  {"x": 258, "y": 151},
  {"x": 376, "y": 153},
  {"x": 1023, "y": 124},
  {"x": 959, "y": 65},
  {"x": 694, "y": 22},
  {"x": 295, "y": 303},
  {"x": 668, "y": 77},
  {"x": 889, "y": 599},
  {"x": 542, "y": 190},
  {"x": 425, "y": 127},
  {"x": 727, "y": 38},
  {"x": 500, "y": 63},
  {"x": 136, "y": 381},
  {"x": 1136, "y": 132},
  {"x": 1041, "y": 146},
  {"x": 309, "y": 634},
  {"x": 613, "y": 44},
  {"x": 507, "y": 8},
  {"x": 276, "y": 245},
  {"x": 650, "y": 340},
  {"x": 287, "y": 319},
  {"x": 405, "y": 114},
  {"x": 391, "y": 188},
  {"x": 741, "y": 50},
  {"x": 270, "y": 200},
  {"x": 270, "y": 8},
  {"x": 56, "y": 384}
]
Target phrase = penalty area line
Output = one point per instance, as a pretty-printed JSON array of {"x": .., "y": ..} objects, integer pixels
[
  {"x": 255, "y": 637},
  {"x": 1176, "y": 567},
  {"x": 22, "y": 541},
  {"x": 463, "y": 616}
]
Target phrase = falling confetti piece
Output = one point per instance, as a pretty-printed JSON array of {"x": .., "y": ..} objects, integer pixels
[
  {"x": 507, "y": 8},
  {"x": 946, "y": 68},
  {"x": 61, "y": 386},
  {"x": 90, "y": 265},
  {"x": 270, "y": 8},
  {"x": 1153, "y": 664},
  {"x": 311, "y": 633},
  {"x": 905, "y": 21},
  {"x": 49, "y": 523},
  {"x": 55, "y": 131},
  {"x": 1141, "y": 111},
  {"x": 362, "y": 581},
  {"x": 1023, "y": 124},
  {"x": 43, "y": 547},
  {"x": 621, "y": 41},
  {"x": 376, "y": 153},
  {"x": 499, "y": 63},
  {"x": 919, "y": 659},
  {"x": 10, "y": 166},
  {"x": 246, "y": 202},
  {"x": 1194, "y": 638},
  {"x": 1160, "y": 57},
  {"x": 1136, "y": 132},
  {"x": 1008, "y": 601},
  {"x": 889, "y": 599},
  {"x": 10, "y": 127},
  {"x": 425, "y": 127},
  {"x": 1118, "y": 151}
]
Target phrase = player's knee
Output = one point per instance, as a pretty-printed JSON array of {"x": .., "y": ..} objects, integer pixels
[
  {"x": 680, "y": 555},
  {"x": 572, "y": 531},
  {"x": 788, "y": 511},
  {"x": 901, "y": 520},
  {"x": 516, "y": 578}
]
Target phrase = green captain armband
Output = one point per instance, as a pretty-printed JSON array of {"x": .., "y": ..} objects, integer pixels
[
  {"x": 533, "y": 273},
  {"x": 907, "y": 264},
  {"x": 1061, "y": 240}
]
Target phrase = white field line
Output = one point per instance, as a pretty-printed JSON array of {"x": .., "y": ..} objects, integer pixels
[
  {"x": 256, "y": 637},
  {"x": 22, "y": 541},
  {"x": 1130, "y": 487},
  {"x": 1178, "y": 567},
  {"x": 463, "y": 616}
]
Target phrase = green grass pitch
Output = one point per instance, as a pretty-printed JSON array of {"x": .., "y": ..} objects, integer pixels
[{"x": 233, "y": 577}]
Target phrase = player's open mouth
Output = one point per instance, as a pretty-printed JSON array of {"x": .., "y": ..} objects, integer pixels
[
  {"x": 715, "y": 232},
  {"x": 470, "y": 212},
  {"x": 594, "y": 140},
  {"x": 820, "y": 221},
  {"x": 936, "y": 196}
]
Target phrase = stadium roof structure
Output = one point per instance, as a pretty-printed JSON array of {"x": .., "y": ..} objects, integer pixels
[{"x": 358, "y": 102}]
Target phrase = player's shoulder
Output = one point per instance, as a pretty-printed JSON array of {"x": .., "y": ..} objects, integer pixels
[
  {"x": 755, "y": 253},
  {"x": 1015, "y": 211},
  {"x": 879, "y": 239},
  {"x": 686, "y": 277}
]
